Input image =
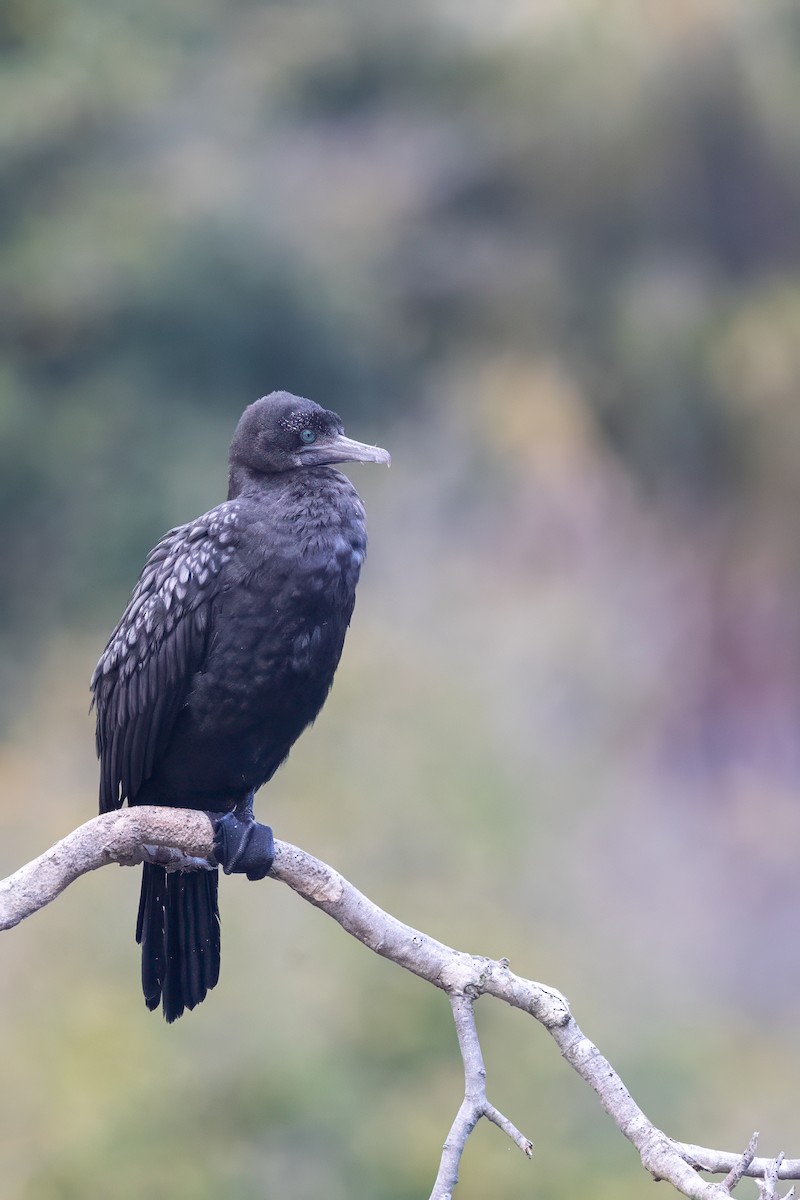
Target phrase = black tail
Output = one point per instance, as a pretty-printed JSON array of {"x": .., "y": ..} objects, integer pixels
[{"x": 178, "y": 929}]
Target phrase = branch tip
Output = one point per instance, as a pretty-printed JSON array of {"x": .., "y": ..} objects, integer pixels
[{"x": 738, "y": 1169}]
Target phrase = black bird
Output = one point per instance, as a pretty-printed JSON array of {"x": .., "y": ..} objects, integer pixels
[{"x": 224, "y": 655}]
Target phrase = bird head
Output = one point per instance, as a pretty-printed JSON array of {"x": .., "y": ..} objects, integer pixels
[{"x": 281, "y": 432}]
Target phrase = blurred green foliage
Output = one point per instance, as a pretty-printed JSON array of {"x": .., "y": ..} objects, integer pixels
[{"x": 547, "y": 253}]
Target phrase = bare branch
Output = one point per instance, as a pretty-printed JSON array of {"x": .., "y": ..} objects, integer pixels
[
  {"x": 474, "y": 1105},
  {"x": 126, "y": 837},
  {"x": 768, "y": 1186},
  {"x": 135, "y": 835},
  {"x": 738, "y": 1169},
  {"x": 717, "y": 1161}
]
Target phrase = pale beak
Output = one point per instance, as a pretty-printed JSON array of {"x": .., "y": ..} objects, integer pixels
[{"x": 341, "y": 449}]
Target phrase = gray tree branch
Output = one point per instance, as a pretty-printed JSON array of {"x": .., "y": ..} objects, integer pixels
[{"x": 182, "y": 839}]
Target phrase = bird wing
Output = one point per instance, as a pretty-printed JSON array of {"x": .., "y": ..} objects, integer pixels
[{"x": 144, "y": 675}]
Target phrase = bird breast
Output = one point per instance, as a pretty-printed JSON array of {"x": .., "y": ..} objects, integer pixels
[{"x": 278, "y": 635}]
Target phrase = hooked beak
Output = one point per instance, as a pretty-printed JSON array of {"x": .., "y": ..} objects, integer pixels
[{"x": 341, "y": 449}]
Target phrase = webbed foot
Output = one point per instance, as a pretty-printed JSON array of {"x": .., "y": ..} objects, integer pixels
[{"x": 243, "y": 847}]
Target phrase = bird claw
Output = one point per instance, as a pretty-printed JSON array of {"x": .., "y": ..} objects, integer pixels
[{"x": 243, "y": 847}]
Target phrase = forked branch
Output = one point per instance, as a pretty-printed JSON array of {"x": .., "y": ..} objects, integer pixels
[
  {"x": 183, "y": 839},
  {"x": 474, "y": 1105}
]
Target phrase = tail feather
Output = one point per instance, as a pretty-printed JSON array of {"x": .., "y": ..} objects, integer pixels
[{"x": 178, "y": 930}]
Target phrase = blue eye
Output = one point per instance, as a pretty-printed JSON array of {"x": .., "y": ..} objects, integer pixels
[{"x": 308, "y": 436}]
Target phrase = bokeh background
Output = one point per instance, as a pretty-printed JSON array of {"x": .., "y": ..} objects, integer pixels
[{"x": 549, "y": 254}]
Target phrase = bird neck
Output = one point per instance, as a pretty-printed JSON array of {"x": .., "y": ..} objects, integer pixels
[{"x": 242, "y": 479}]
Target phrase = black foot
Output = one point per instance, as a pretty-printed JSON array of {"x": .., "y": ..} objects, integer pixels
[{"x": 243, "y": 847}]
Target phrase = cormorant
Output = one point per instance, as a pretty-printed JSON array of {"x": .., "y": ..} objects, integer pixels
[{"x": 224, "y": 655}]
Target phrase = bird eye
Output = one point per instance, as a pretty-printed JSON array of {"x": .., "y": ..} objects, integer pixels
[{"x": 308, "y": 436}]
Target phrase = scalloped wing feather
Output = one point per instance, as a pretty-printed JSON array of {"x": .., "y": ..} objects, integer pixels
[{"x": 143, "y": 677}]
